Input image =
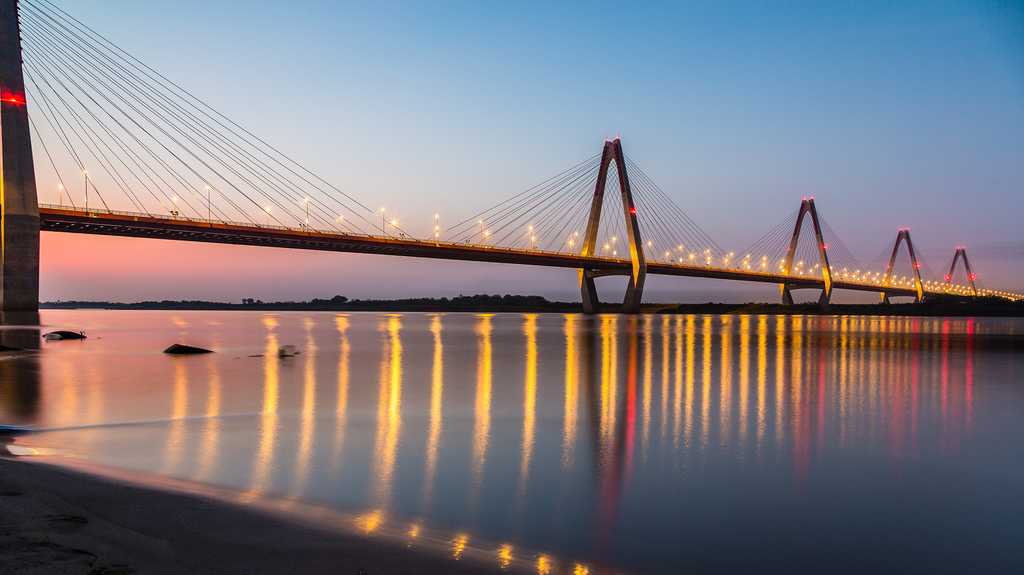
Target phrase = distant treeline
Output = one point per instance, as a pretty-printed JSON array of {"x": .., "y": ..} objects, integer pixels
[
  {"x": 341, "y": 303},
  {"x": 532, "y": 303}
]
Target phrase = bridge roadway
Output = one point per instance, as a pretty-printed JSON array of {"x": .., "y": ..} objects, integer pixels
[{"x": 127, "y": 224}]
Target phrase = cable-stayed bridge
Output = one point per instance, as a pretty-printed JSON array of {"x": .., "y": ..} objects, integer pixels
[{"x": 123, "y": 150}]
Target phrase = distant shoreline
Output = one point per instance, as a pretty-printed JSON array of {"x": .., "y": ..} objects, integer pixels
[{"x": 538, "y": 304}]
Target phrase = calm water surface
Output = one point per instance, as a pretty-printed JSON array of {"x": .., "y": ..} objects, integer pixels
[{"x": 656, "y": 444}]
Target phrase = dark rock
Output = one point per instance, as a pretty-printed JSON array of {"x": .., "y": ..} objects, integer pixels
[
  {"x": 11, "y": 430},
  {"x": 63, "y": 334},
  {"x": 179, "y": 349}
]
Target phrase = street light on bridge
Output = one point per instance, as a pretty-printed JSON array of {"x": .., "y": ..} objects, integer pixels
[{"x": 85, "y": 175}]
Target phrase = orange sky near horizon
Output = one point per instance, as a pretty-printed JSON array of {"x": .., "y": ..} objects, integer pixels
[{"x": 109, "y": 268}]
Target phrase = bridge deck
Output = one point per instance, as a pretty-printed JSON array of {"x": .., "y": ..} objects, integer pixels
[{"x": 102, "y": 222}]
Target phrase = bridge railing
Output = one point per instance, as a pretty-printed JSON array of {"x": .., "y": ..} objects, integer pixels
[
  {"x": 92, "y": 212},
  {"x": 858, "y": 279}
]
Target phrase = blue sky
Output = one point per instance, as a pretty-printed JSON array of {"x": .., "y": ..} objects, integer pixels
[{"x": 891, "y": 113}]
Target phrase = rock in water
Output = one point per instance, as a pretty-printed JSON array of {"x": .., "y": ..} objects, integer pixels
[
  {"x": 63, "y": 334},
  {"x": 287, "y": 351},
  {"x": 10, "y": 430},
  {"x": 180, "y": 349}
]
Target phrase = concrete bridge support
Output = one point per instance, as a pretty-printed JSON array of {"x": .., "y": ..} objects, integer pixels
[
  {"x": 19, "y": 209},
  {"x": 638, "y": 273},
  {"x": 807, "y": 208}
]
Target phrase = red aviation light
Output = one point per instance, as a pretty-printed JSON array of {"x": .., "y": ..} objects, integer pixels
[
  {"x": 13, "y": 98},
  {"x": 948, "y": 277},
  {"x": 974, "y": 277},
  {"x": 632, "y": 210}
]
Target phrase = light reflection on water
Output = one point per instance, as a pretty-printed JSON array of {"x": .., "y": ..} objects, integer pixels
[{"x": 646, "y": 443}]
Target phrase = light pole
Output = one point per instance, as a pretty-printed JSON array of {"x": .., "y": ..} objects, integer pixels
[
  {"x": 383, "y": 222},
  {"x": 306, "y": 202},
  {"x": 209, "y": 204},
  {"x": 85, "y": 175},
  {"x": 60, "y": 195}
]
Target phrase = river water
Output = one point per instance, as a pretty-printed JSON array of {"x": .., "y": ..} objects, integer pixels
[{"x": 653, "y": 444}]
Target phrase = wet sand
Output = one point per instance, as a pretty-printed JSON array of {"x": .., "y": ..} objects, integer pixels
[{"x": 55, "y": 519}]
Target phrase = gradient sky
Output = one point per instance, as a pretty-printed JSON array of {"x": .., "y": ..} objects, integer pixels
[{"x": 891, "y": 113}]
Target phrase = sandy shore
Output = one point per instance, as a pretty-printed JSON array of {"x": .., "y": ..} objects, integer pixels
[{"x": 55, "y": 519}]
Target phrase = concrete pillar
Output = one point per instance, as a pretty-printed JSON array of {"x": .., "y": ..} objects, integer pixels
[
  {"x": 635, "y": 287},
  {"x": 19, "y": 209}
]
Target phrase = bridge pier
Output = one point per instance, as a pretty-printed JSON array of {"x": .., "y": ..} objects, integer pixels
[
  {"x": 824, "y": 300},
  {"x": 787, "y": 294},
  {"x": 588, "y": 292},
  {"x": 19, "y": 209}
]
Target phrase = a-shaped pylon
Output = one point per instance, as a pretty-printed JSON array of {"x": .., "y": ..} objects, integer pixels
[
  {"x": 635, "y": 287},
  {"x": 903, "y": 236},
  {"x": 807, "y": 208},
  {"x": 961, "y": 252}
]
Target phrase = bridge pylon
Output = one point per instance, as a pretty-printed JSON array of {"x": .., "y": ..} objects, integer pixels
[
  {"x": 807, "y": 208},
  {"x": 904, "y": 236},
  {"x": 961, "y": 252},
  {"x": 638, "y": 272},
  {"x": 19, "y": 208}
]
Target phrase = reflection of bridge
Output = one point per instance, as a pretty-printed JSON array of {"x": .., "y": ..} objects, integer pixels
[
  {"x": 137, "y": 140},
  {"x": 680, "y": 398}
]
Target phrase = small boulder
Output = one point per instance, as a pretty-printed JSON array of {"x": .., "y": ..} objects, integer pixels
[
  {"x": 287, "y": 351},
  {"x": 180, "y": 349},
  {"x": 63, "y": 334},
  {"x": 11, "y": 430}
]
